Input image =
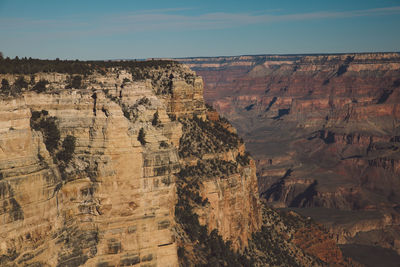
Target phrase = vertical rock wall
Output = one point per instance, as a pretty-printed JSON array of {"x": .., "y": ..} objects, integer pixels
[{"x": 113, "y": 203}]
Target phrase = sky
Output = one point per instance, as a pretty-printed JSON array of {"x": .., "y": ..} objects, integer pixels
[{"x": 123, "y": 29}]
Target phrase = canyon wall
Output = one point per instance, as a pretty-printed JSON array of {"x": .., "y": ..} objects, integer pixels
[
  {"x": 88, "y": 174},
  {"x": 113, "y": 202},
  {"x": 122, "y": 164},
  {"x": 109, "y": 205},
  {"x": 324, "y": 131}
]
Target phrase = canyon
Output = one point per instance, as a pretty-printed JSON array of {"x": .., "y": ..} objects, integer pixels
[
  {"x": 324, "y": 131},
  {"x": 123, "y": 164}
]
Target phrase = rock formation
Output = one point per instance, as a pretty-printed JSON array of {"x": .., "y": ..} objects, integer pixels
[
  {"x": 324, "y": 130},
  {"x": 113, "y": 203},
  {"x": 122, "y": 164}
]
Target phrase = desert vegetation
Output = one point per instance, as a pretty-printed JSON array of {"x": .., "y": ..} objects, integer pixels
[{"x": 201, "y": 137}]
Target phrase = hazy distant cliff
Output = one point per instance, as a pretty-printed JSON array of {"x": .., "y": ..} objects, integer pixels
[{"x": 324, "y": 130}]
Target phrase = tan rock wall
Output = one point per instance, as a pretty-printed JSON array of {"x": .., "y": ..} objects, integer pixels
[
  {"x": 234, "y": 206},
  {"x": 114, "y": 209},
  {"x": 113, "y": 203}
]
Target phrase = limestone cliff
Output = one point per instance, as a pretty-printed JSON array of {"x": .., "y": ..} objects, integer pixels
[
  {"x": 110, "y": 199},
  {"x": 113, "y": 203}
]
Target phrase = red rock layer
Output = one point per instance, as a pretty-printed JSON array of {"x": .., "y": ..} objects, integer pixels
[{"x": 324, "y": 129}]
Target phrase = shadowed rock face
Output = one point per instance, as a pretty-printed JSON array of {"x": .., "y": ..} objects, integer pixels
[{"x": 324, "y": 130}]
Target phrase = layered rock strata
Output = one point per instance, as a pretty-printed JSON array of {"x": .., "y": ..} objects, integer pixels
[
  {"x": 323, "y": 130},
  {"x": 112, "y": 201}
]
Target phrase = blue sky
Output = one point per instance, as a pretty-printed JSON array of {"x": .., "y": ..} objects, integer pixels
[{"x": 70, "y": 29}]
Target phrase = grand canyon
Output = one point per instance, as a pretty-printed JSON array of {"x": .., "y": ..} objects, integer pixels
[
  {"x": 122, "y": 164},
  {"x": 199, "y": 133},
  {"x": 324, "y": 131}
]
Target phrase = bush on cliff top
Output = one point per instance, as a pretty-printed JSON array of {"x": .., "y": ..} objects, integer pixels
[
  {"x": 204, "y": 137},
  {"x": 5, "y": 86},
  {"x": 31, "y": 66},
  {"x": 40, "y": 86}
]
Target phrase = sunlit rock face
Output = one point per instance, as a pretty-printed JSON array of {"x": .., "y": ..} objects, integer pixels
[
  {"x": 112, "y": 201},
  {"x": 324, "y": 130}
]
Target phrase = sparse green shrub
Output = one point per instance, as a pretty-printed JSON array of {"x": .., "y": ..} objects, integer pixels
[
  {"x": 164, "y": 144},
  {"x": 141, "y": 137},
  {"x": 143, "y": 101},
  {"x": 68, "y": 148},
  {"x": 40, "y": 121},
  {"x": 40, "y": 86},
  {"x": 20, "y": 83},
  {"x": 172, "y": 117},
  {"x": 5, "y": 86},
  {"x": 52, "y": 134},
  {"x": 32, "y": 81},
  {"x": 244, "y": 159},
  {"x": 156, "y": 120},
  {"x": 76, "y": 82},
  {"x": 204, "y": 137}
]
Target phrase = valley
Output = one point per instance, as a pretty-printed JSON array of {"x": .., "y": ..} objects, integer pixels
[{"x": 324, "y": 131}]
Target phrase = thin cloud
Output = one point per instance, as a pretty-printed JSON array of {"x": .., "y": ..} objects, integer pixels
[
  {"x": 164, "y": 10},
  {"x": 173, "y": 19},
  {"x": 162, "y": 20}
]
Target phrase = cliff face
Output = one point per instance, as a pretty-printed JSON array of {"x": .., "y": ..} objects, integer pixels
[
  {"x": 323, "y": 130},
  {"x": 88, "y": 176},
  {"x": 111, "y": 204}
]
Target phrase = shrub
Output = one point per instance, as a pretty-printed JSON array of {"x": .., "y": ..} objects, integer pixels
[
  {"x": 143, "y": 101},
  {"x": 40, "y": 121},
  {"x": 40, "y": 86},
  {"x": 68, "y": 148},
  {"x": 156, "y": 121},
  {"x": 51, "y": 133},
  {"x": 164, "y": 144},
  {"x": 5, "y": 86},
  {"x": 141, "y": 137},
  {"x": 32, "y": 81},
  {"x": 243, "y": 160},
  {"x": 172, "y": 117},
  {"x": 21, "y": 83},
  {"x": 76, "y": 81},
  {"x": 201, "y": 137}
]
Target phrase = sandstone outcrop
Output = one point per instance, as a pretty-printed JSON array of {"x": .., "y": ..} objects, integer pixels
[
  {"x": 113, "y": 204},
  {"x": 112, "y": 201}
]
